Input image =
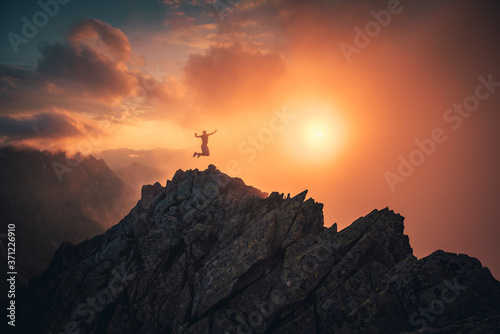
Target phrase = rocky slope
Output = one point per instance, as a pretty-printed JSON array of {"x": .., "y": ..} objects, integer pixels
[
  {"x": 208, "y": 254},
  {"x": 48, "y": 206}
]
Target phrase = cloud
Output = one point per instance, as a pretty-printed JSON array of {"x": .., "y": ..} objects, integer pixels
[
  {"x": 234, "y": 76},
  {"x": 48, "y": 125},
  {"x": 173, "y": 3},
  {"x": 94, "y": 72},
  {"x": 94, "y": 56},
  {"x": 112, "y": 40},
  {"x": 184, "y": 31},
  {"x": 25, "y": 90}
]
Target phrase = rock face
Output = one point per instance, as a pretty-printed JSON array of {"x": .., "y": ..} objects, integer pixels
[
  {"x": 208, "y": 254},
  {"x": 48, "y": 208}
]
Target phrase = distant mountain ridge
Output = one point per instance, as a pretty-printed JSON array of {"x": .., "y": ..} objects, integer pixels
[
  {"x": 209, "y": 254},
  {"x": 157, "y": 158},
  {"x": 138, "y": 174},
  {"x": 49, "y": 206}
]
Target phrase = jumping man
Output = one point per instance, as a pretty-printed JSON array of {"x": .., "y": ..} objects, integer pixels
[{"x": 204, "y": 144}]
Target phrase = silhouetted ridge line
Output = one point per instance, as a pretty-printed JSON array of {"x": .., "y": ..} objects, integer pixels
[{"x": 210, "y": 254}]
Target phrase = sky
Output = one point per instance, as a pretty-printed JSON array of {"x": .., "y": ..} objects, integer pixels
[{"x": 367, "y": 104}]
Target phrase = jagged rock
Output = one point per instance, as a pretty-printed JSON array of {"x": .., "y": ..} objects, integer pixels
[
  {"x": 151, "y": 191},
  {"x": 208, "y": 254}
]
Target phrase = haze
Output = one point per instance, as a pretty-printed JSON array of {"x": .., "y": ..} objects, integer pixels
[{"x": 357, "y": 101}]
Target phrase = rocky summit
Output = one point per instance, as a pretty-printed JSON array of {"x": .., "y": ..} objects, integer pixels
[{"x": 209, "y": 254}]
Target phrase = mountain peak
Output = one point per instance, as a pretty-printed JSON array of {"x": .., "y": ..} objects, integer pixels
[
  {"x": 209, "y": 254},
  {"x": 204, "y": 185},
  {"x": 51, "y": 197}
]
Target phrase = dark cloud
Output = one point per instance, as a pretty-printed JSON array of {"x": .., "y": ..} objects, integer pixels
[
  {"x": 93, "y": 56},
  {"x": 90, "y": 74},
  {"x": 101, "y": 78},
  {"x": 25, "y": 90},
  {"x": 24, "y": 78},
  {"x": 49, "y": 125}
]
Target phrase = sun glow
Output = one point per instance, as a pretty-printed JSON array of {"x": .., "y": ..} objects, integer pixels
[{"x": 317, "y": 134}]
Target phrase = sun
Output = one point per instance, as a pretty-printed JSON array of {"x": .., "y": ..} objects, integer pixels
[{"x": 317, "y": 134}]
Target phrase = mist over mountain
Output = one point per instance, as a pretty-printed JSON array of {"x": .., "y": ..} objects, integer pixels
[
  {"x": 51, "y": 198},
  {"x": 139, "y": 167},
  {"x": 137, "y": 174},
  {"x": 160, "y": 158},
  {"x": 209, "y": 254}
]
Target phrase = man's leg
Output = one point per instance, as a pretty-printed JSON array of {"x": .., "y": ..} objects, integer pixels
[{"x": 205, "y": 151}]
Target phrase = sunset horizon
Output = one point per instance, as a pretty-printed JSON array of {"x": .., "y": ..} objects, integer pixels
[{"x": 366, "y": 104}]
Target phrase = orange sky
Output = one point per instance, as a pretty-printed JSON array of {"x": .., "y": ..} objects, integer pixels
[{"x": 292, "y": 111}]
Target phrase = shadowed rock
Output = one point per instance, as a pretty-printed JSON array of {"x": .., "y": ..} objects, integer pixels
[
  {"x": 209, "y": 254},
  {"x": 49, "y": 202}
]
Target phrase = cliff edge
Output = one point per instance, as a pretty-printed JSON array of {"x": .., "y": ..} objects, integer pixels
[{"x": 209, "y": 254}]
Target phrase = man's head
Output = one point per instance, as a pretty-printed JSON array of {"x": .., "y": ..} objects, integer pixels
[{"x": 204, "y": 132}]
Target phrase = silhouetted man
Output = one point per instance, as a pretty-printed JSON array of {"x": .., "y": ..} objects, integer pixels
[{"x": 204, "y": 144}]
